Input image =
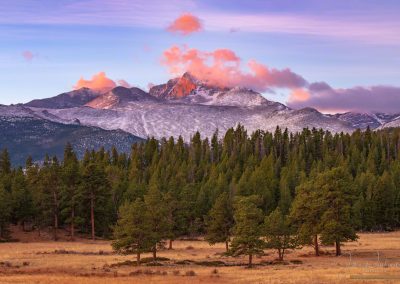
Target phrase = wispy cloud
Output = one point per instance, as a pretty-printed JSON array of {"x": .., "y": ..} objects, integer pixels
[
  {"x": 372, "y": 28},
  {"x": 360, "y": 99},
  {"x": 142, "y": 13},
  {"x": 365, "y": 28},
  {"x": 28, "y": 55}
]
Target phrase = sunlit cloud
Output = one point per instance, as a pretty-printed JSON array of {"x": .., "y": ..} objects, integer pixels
[
  {"x": 99, "y": 82},
  {"x": 185, "y": 24},
  {"x": 222, "y": 67}
]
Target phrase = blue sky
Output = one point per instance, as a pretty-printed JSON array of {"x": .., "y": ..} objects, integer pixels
[{"x": 343, "y": 43}]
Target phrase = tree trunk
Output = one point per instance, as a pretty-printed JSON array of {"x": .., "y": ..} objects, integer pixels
[
  {"x": 280, "y": 254},
  {"x": 316, "y": 245},
  {"x": 227, "y": 246},
  {"x": 92, "y": 215},
  {"x": 170, "y": 244},
  {"x": 155, "y": 253},
  {"x": 338, "y": 250},
  {"x": 138, "y": 259},
  {"x": 250, "y": 260},
  {"x": 72, "y": 224},
  {"x": 55, "y": 227},
  {"x": 55, "y": 216}
]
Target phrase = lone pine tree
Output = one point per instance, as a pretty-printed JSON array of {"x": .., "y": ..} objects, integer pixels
[
  {"x": 248, "y": 228},
  {"x": 132, "y": 233}
]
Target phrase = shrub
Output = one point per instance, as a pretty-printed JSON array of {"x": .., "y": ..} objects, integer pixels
[{"x": 190, "y": 273}]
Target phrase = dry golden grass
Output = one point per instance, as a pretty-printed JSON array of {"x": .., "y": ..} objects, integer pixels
[{"x": 94, "y": 262}]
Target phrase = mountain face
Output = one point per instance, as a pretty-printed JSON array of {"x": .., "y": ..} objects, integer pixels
[
  {"x": 119, "y": 96},
  {"x": 25, "y": 133},
  {"x": 74, "y": 98},
  {"x": 180, "y": 107},
  {"x": 363, "y": 120},
  {"x": 185, "y": 105},
  {"x": 182, "y": 87}
]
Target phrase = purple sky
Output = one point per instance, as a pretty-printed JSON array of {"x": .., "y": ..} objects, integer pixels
[{"x": 46, "y": 46}]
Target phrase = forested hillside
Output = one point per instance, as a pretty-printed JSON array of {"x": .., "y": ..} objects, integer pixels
[{"x": 311, "y": 186}]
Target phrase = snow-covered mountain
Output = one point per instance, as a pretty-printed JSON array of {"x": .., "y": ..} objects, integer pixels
[
  {"x": 66, "y": 100},
  {"x": 363, "y": 120},
  {"x": 185, "y": 105},
  {"x": 180, "y": 107},
  {"x": 118, "y": 97},
  {"x": 25, "y": 132}
]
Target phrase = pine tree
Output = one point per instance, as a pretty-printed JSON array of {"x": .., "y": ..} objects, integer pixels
[
  {"x": 220, "y": 221},
  {"x": 337, "y": 197},
  {"x": 132, "y": 233},
  {"x": 279, "y": 234},
  {"x": 157, "y": 215},
  {"x": 305, "y": 213},
  {"x": 5, "y": 163},
  {"x": 5, "y": 212},
  {"x": 70, "y": 193},
  {"x": 248, "y": 228},
  {"x": 95, "y": 190},
  {"x": 50, "y": 191},
  {"x": 23, "y": 207}
]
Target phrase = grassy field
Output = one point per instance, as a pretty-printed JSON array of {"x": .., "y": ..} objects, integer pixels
[{"x": 374, "y": 258}]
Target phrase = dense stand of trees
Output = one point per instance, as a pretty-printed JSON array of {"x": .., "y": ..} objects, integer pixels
[{"x": 265, "y": 190}]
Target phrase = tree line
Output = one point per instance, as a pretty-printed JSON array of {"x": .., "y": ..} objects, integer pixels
[{"x": 252, "y": 191}]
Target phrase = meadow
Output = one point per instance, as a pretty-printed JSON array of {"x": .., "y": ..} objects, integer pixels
[{"x": 374, "y": 258}]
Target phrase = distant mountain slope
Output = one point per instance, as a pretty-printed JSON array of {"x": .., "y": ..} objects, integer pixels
[
  {"x": 30, "y": 135},
  {"x": 66, "y": 100},
  {"x": 363, "y": 120},
  {"x": 393, "y": 123},
  {"x": 173, "y": 119},
  {"x": 120, "y": 96}
]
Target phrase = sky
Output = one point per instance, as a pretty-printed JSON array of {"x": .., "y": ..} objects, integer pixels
[{"x": 332, "y": 55}]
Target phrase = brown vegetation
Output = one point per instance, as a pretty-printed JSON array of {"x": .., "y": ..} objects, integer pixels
[{"x": 373, "y": 257}]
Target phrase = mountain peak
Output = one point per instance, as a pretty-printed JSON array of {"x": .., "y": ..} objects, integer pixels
[
  {"x": 70, "y": 99},
  {"x": 119, "y": 96},
  {"x": 182, "y": 87}
]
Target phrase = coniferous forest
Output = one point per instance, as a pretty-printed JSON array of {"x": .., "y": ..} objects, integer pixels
[{"x": 253, "y": 191}]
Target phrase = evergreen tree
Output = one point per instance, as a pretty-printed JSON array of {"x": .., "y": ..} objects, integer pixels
[
  {"x": 70, "y": 193},
  {"x": 220, "y": 221},
  {"x": 132, "y": 233},
  {"x": 23, "y": 207},
  {"x": 305, "y": 213},
  {"x": 95, "y": 191},
  {"x": 5, "y": 212},
  {"x": 157, "y": 215},
  {"x": 279, "y": 234},
  {"x": 248, "y": 228},
  {"x": 337, "y": 197}
]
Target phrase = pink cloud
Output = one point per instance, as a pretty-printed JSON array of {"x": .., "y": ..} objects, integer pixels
[
  {"x": 28, "y": 55},
  {"x": 222, "y": 67},
  {"x": 299, "y": 95},
  {"x": 99, "y": 82},
  {"x": 185, "y": 24},
  {"x": 359, "y": 99}
]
